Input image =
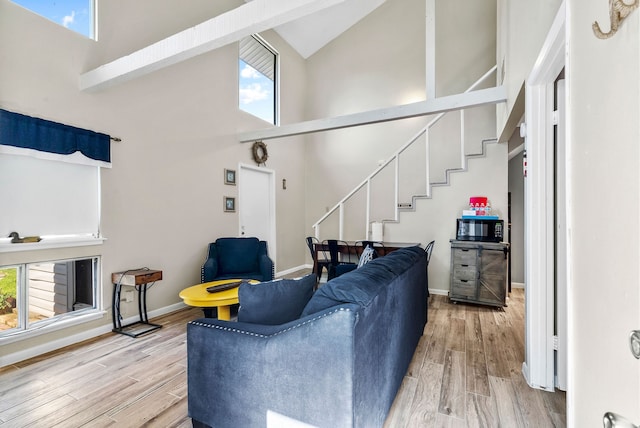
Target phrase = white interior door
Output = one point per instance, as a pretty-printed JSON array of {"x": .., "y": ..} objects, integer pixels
[{"x": 256, "y": 204}]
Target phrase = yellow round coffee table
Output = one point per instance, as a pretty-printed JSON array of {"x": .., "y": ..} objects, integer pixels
[{"x": 199, "y": 297}]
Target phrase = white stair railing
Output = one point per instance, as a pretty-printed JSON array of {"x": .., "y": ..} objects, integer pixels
[{"x": 395, "y": 159}]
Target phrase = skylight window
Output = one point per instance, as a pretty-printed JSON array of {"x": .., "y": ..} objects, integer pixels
[
  {"x": 257, "y": 79},
  {"x": 76, "y": 15}
]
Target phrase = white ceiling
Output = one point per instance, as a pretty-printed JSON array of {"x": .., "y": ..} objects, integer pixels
[
  {"x": 307, "y": 25},
  {"x": 309, "y": 34}
]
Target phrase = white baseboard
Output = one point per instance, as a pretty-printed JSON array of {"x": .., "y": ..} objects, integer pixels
[
  {"x": 293, "y": 269},
  {"x": 439, "y": 292},
  {"x": 53, "y": 345}
]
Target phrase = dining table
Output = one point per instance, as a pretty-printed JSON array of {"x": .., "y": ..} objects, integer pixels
[{"x": 345, "y": 246}]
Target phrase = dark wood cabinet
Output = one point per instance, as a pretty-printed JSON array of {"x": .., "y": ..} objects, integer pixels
[{"x": 479, "y": 272}]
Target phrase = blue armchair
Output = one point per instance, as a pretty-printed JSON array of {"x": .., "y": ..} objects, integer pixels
[{"x": 242, "y": 258}]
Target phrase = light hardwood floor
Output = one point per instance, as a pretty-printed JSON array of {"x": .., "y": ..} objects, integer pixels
[{"x": 466, "y": 372}]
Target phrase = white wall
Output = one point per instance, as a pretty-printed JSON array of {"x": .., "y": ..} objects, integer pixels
[
  {"x": 522, "y": 28},
  {"x": 435, "y": 219},
  {"x": 604, "y": 92},
  {"x": 162, "y": 200},
  {"x": 465, "y": 43},
  {"x": 380, "y": 62}
]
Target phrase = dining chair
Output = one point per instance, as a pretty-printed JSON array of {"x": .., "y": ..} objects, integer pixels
[
  {"x": 319, "y": 262},
  {"x": 377, "y": 246},
  {"x": 340, "y": 253},
  {"x": 428, "y": 249}
]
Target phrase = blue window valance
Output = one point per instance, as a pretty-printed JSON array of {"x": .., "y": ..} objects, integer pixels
[{"x": 26, "y": 132}]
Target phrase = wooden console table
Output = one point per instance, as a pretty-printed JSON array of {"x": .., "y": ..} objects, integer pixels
[{"x": 140, "y": 279}]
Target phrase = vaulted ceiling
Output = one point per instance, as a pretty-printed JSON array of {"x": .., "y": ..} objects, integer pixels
[
  {"x": 307, "y": 25},
  {"x": 309, "y": 34}
]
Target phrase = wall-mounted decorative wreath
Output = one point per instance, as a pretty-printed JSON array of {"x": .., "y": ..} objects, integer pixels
[{"x": 259, "y": 150}]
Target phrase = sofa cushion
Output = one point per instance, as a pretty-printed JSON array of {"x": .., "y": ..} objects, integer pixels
[
  {"x": 274, "y": 302},
  {"x": 398, "y": 262},
  {"x": 362, "y": 285},
  {"x": 358, "y": 286}
]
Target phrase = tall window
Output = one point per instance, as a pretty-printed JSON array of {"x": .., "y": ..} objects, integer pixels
[
  {"x": 258, "y": 79},
  {"x": 76, "y": 15}
]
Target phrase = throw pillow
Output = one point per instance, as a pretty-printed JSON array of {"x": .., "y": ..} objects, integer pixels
[
  {"x": 367, "y": 255},
  {"x": 274, "y": 302}
]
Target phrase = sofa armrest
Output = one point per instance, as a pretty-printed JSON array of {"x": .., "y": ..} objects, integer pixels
[
  {"x": 210, "y": 268},
  {"x": 266, "y": 268},
  {"x": 237, "y": 372}
]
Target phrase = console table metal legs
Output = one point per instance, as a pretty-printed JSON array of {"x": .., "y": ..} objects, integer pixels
[{"x": 134, "y": 278}]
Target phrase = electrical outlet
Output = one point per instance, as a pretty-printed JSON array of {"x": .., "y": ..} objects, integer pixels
[{"x": 128, "y": 296}]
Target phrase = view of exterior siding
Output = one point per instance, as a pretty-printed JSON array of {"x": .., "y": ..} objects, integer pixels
[{"x": 49, "y": 291}]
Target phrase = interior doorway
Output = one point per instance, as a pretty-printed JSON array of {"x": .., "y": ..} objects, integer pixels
[{"x": 546, "y": 256}]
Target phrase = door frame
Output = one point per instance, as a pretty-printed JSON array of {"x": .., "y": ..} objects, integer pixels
[
  {"x": 272, "y": 244},
  {"x": 561, "y": 238},
  {"x": 539, "y": 366}
]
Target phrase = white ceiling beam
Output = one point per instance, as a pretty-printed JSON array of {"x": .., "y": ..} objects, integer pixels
[
  {"x": 430, "y": 43},
  {"x": 421, "y": 108},
  {"x": 229, "y": 27}
]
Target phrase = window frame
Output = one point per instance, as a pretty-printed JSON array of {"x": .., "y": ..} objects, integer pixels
[
  {"x": 24, "y": 330},
  {"x": 93, "y": 19},
  {"x": 276, "y": 79}
]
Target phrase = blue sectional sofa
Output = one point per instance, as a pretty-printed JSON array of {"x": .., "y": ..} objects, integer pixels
[{"x": 339, "y": 364}]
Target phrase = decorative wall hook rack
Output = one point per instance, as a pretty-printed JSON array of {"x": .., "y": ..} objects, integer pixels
[{"x": 618, "y": 11}]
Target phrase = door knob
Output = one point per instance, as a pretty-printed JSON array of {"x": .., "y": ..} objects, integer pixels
[{"x": 611, "y": 420}]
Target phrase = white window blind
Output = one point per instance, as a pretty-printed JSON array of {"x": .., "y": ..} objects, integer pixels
[{"x": 48, "y": 198}]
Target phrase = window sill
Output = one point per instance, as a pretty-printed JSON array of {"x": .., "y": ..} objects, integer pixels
[
  {"x": 48, "y": 242},
  {"x": 51, "y": 325}
]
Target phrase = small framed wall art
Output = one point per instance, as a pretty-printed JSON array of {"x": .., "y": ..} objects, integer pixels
[
  {"x": 229, "y": 204},
  {"x": 230, "y": 177}
]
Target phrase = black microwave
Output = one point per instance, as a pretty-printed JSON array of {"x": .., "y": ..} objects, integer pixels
[{"x": 487, "y": 230}]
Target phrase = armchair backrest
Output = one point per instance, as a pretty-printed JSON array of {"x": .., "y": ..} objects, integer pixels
[{"x": 237, "y": 255}]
